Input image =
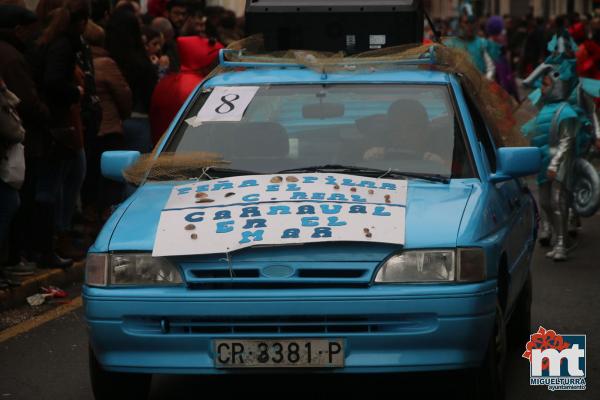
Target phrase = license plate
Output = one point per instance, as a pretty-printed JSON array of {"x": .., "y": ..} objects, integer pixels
[{"x": 302, "y": 353}]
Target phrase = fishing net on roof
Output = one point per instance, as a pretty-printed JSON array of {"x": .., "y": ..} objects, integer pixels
[
  {"x": 502, "y": 113},
  {"x": 251, "y": 49},
  {"x": 171, "y": 166}
]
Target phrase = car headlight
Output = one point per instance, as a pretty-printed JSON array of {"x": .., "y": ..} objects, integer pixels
[
  {"x": 418, "y": 267},
  {"x": 130, "y": 269},
  {"x": 427, "y": 266}
]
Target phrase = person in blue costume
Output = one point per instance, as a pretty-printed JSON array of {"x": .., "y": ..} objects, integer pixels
[
  {"x": 583, "y": 100},
  {"x": 555, "y": 131},
  {"x": 468, "y": 40},
  {"x": 562, "y": 46}
]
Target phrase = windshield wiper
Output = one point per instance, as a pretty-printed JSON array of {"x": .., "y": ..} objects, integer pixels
[
  {"x": 221, "y": 172},
  {"x": 370, "y": 172},
  {"x": 425, "y": 177},
  {"x": 333, "y": 168}
]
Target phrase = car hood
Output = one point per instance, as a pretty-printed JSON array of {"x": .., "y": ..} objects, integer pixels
[{"x": 433, "y": 217}]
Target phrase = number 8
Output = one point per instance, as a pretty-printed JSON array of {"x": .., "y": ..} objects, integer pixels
[
  {"x": 293, "y": 352},
  {"x": 227, "y": 102},
  {"x": 263, "y": 357}
]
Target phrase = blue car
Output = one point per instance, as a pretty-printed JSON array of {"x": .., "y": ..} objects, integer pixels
[{"x": 410, "y": 252}]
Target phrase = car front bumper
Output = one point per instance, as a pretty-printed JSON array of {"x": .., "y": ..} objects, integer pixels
[{"x": 385, "y": 328}]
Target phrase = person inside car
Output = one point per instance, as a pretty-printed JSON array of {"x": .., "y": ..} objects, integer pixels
[{"x": 407, "y": 134}]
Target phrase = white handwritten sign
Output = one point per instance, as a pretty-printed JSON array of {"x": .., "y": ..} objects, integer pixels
[
  {"x": 225, "y": 215},
  {"x": 226, "y": 104}
]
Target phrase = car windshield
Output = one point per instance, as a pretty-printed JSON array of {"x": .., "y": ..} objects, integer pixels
[{"x": 393, "y": 127}]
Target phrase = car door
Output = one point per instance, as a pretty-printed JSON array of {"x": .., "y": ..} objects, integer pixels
[{"x": 513, "y": 210}]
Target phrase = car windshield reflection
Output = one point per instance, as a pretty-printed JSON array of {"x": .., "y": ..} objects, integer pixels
[{"x": 411, "y": 128}]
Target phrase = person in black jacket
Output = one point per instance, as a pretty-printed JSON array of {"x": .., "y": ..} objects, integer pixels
[
  {"x": 12, "y": 164},
  {"x": 62, "y": 83},
  {"x": 124, "y": 43},
  {"x": 16, "y": 31}
]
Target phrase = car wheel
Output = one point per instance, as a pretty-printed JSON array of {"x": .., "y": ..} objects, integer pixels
[
  {"x": 487, "y": 382},
  {"x": 108, "y": 385},
  {"x": 519, "y": 327}
]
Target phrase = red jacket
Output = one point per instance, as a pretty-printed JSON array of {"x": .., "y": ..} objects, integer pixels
[
  {"x": 197, "y": 56},
  {"x": 588, "y": 60}
]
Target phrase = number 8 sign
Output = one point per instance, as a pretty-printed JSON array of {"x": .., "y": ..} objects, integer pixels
[{"x": 226, "y": 104}]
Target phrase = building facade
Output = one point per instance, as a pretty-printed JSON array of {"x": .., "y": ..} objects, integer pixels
[
  {"x": 448, "y": 8},
  {"x": 540, "y": 8},
  {"x": 236, "y": 5}
]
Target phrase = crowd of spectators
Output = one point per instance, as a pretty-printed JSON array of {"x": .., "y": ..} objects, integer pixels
[
  {"x": 87, "y": 76},
  {"x": 525, "y": 39}
]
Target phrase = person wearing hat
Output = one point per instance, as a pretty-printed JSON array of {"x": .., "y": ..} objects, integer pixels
[
  {"x": 16, "y": 31},
  {"x": 497, "y": 47},
  {"x": 469, "y": 41}
]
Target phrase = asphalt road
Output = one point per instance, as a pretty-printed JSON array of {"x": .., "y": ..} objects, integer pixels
[{"x": 50, "y": 361}]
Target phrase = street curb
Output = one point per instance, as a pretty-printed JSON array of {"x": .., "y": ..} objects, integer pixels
[{"x": 31, "y": 285}]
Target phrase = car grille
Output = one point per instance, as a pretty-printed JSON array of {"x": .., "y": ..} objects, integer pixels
[
  {"x": 208, "y": 277},
  {"x": 301, "y": 325}
]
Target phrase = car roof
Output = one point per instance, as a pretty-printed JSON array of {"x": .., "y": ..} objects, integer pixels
[{"x": 263, "y": 76}]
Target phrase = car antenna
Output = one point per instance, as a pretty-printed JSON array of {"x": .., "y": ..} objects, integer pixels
[{"x": 436, "y": 33}]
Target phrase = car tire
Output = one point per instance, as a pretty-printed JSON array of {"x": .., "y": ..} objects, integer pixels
[
  {"x": 487, "y": 381},
  {"x": 519, "y": 327},
  {"x": 108, "y": 385}
]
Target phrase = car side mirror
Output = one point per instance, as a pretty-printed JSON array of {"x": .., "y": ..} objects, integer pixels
[
  {"x": 516, "y": 162},
  {"x": 113, "y": 163}
]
